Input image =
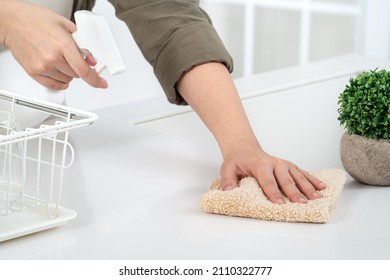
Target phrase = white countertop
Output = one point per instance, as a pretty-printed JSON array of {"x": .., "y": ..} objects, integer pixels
[{"x": 136, "y": 187}]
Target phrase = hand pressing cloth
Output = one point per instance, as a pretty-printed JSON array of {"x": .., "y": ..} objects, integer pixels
[{"x": 248, "y": 200}]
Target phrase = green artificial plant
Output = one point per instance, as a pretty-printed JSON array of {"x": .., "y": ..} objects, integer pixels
[{"x": 364, "y": 105}]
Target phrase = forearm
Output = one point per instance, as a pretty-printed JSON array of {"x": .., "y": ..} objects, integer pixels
[
  {"x": 210, "y": 91},
  {"x": 8, "y": 8}
]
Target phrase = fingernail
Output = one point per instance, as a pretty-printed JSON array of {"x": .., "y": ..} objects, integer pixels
[
  {"x": 280, "y": 201},
  {"x": 302, "y": 200},
  {"x": 93, "y": 60},
  {"x": 104, "y": 83},
  {"x": 322, "y": 185},
  {"x": 228, "y": 188},
  {"x": 316, "y": 195}
]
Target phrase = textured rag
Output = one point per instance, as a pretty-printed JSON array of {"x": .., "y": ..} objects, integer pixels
[{"x": 248, "y": 200}]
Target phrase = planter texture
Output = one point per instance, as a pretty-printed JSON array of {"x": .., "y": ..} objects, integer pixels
[{"x": 366, "y": 160}]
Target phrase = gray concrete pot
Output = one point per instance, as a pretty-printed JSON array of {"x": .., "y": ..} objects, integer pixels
[{"x": 366, "y": 160}]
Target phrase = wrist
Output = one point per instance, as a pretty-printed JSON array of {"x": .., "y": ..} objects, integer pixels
[{"x": 237, "y": 144}]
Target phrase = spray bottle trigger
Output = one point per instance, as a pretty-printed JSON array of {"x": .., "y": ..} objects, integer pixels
[
  {"x": 99, "y": 67},
  {"x": 94, "y": 36}
]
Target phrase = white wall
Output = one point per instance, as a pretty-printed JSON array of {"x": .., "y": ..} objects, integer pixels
[{"x": 376, "y": 29}]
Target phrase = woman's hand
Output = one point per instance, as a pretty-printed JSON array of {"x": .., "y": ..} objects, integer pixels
[
  {"x": 41, "y": 41},
  {"x": 275, "y": 176}
]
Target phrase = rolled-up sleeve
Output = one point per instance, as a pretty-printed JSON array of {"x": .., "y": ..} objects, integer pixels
[{"x": 174, "y": 36}]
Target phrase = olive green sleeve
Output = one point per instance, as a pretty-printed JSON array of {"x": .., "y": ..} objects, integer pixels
[{"x": 174, "y": 36}]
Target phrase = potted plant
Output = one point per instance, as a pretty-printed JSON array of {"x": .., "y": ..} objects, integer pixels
[{"x": 364, "y": 110}]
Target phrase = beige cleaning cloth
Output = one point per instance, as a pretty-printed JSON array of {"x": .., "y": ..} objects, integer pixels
[{"x": 248, "y": 200}]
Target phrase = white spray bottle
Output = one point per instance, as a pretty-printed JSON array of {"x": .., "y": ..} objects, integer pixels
[{"x": 93, "y": 36}]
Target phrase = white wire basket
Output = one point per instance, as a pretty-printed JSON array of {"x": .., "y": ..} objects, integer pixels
[{"x": 33, "y": 161}]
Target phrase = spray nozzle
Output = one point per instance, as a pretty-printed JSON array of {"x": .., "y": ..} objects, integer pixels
[{"x": 93, "y": 36}]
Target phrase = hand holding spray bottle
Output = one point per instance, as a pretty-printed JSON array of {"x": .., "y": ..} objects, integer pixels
[{"x": 93, "y": 36}]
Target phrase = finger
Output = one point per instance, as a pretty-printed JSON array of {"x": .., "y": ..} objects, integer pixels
[
  {"x": 90, "y": 76},
  {"x": 60, "y": 77},
  {"x": 70, "y": 26},
  {"x": 90, "y": 60},
  {"x": 53, "y": 66},
  {"x": 303, "y": 184},
  {"x": 229, "y": 178},
  {"x": 65, "y": 68},
  {"x": 317, "y": 184},
  {"x": 288, "y": 185},
  {"x": 51, "y": 83},
  {"x": 268, "y": 184},
  {"x": 83, "y": 69}
]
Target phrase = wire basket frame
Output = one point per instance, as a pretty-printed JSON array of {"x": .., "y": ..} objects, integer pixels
[{"x": 34, "y": 159}]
